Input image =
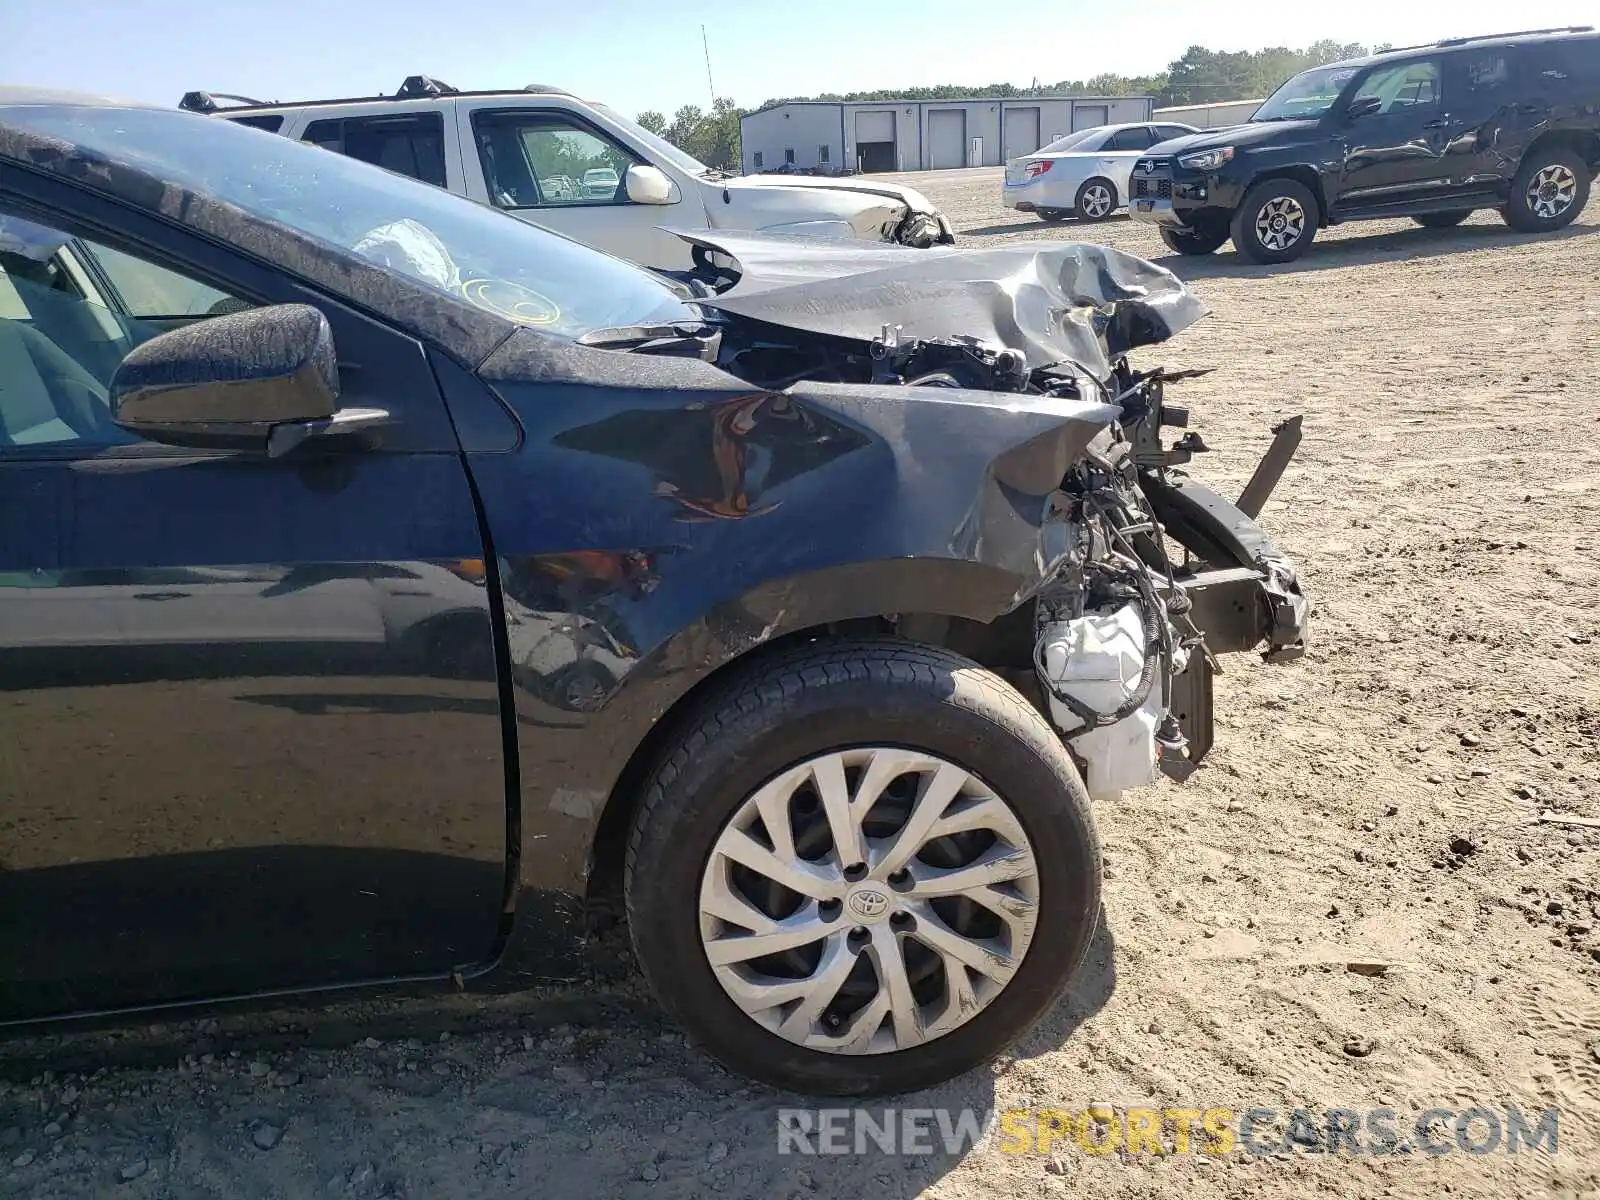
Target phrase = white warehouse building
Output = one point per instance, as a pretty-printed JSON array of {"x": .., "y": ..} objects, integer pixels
[{"x": 921, "y": 135}]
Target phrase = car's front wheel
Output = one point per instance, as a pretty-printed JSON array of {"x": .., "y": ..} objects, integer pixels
[
  {"x": 1548, "y": 192},
  {"x": 862, "y": 868},
  {"x": 1097, "y": 199},
  {"x": 1276, "y": 222},
  {"x": 1197, "y": 243}
]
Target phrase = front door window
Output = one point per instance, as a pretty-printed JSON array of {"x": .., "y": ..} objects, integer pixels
[
  {"x": 70, "y": 311},
  {"x": 1404, "y": 88},
  {"x": 549, "y": 160}
]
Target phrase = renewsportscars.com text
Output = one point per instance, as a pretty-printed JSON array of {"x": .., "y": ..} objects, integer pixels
[{"x": 1160, "y": 1131}]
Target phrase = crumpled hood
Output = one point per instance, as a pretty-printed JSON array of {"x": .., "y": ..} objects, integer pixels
[
  {"x": 910, "y": 197},
  {"x": 1054, "y": 301}
]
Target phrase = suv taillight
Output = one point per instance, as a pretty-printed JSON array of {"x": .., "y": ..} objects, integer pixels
[{"x": 1036, "y": 169}]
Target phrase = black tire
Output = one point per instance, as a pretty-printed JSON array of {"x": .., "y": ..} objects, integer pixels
[
  {"x": 832, "y": 696},
  {"x": 1288, "y": 196},
  {"x": 1096, "y": 200},
  {"x": 1053, "y": 214},
  {"x": 1526, "y": 208},
  {"x": 1442, "y": 220},
  {"x": 1195, "y": 244}
]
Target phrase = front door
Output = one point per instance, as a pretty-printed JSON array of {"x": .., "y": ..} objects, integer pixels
[
  {"x": 1397, "y": 153},
  {"x": 553, "y": 168},
  {"x": 249, "y": 726}
]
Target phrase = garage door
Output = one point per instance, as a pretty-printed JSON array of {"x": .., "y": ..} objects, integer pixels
[
  {"x": 947, "y": 137},
  {"x": 875, "y": 126},
  {"x": 1087, "y": 116},
  {"x": 1022, "y": 131}
]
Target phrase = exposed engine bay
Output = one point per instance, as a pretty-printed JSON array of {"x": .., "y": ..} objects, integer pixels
[
  {"x": 1124, "y": 640},
  {"x": 1124, "y": 668}
]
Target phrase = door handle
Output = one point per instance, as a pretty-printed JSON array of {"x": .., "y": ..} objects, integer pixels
[{"x": 1438, "y": 123}]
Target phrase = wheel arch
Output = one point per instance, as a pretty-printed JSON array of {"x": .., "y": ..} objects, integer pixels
[
  {"x": 974, "y": 615},
  {"x": 1584, "y": 142},
  {"x": 1307, "y": 176}
]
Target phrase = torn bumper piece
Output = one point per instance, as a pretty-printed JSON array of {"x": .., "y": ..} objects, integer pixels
[{"x": 1243, "y": 592}]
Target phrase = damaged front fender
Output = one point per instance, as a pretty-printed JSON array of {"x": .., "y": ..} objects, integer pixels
[{"x": 660, "y": 519}]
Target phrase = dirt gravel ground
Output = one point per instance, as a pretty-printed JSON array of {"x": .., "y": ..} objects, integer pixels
[{"x": 1375, "y": 803}]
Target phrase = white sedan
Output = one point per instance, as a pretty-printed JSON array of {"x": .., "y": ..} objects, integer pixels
[{"x": 1085, "y": 172}]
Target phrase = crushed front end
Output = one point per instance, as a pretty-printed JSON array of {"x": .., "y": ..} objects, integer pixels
[
  {"x": 1126, "y": 638},
  {"x": 1148, "y": 575}
]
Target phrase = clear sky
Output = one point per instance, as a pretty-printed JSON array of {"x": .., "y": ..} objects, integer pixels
[{"x": 638, "y": 54}]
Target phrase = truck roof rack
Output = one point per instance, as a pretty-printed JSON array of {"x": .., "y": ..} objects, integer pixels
[
  {"x": 417, "y": 86},
  {"x": 1493, "y": 37},
  {"x": 206, "y": 102},
  {"x": 1488, "y": 37}
]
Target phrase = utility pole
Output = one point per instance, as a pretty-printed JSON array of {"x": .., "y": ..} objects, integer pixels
[{"x": 709, "y": 85}]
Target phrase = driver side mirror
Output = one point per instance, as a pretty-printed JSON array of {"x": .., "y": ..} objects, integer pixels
[
  {"x": 649, "y": 185},
  {"x": 263, "y": 379},
  {"x": 1364, "y": 106}
]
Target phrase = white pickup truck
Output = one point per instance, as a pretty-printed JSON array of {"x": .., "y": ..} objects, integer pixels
[{"x": 544, "y": 155}]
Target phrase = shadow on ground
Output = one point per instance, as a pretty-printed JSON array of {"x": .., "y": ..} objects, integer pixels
[
  {"x": 1400, "y": 246},
  {"x": 519, "y": 1106},
  {"x": 1036, "y": 225},
  {"x": 950, "y": 1112}
]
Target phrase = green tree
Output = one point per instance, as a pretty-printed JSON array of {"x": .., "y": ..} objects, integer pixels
[
  {"x": 1202, "y": 75},
  {"x": 712, "y": 137}
]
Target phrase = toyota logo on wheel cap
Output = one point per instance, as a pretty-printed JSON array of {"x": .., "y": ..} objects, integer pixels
[{"x": 868, "y": 903}]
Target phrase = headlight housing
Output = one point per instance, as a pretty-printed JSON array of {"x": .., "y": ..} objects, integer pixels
[{"x": 1206, "y": 160}]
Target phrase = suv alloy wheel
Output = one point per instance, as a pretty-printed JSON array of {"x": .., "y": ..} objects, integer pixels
[
  {"x": 1549, "y": 191},
  {"x": 1276, "y": 222}
]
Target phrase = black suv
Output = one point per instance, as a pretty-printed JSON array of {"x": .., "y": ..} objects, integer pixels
[{"x": 1510, "y": 122}]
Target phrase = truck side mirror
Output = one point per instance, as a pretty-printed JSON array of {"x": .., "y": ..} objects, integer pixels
[
  {"x": 649, "y": 185},
  {"x": 1364, "y": 106}
]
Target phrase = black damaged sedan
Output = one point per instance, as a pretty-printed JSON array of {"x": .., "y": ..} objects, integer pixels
[{"x": 388, "y": 585}]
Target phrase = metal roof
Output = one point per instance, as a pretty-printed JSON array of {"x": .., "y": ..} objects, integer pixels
[
  {"x": 415, "y": 87},
  {"x": 951, "y": 102}
]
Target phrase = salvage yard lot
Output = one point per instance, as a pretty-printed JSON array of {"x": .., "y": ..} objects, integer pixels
[{"x": 1376, "y": 804}]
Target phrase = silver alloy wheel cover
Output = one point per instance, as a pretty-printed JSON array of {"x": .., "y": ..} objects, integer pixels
[
  {"x": 1552, "y": 191},
  {"x": 1096, "y": 200},
  {"x": 1280, "y": 223},
  {"x": 884, "y": 909}
]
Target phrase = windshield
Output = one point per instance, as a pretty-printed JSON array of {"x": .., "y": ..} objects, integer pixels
[
  {"x": 681, "y": 159},
  {"x": 1070, "y": 142},
  {"x": 504, "y": 265},
  {"x": 1308, "y": 96}
]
